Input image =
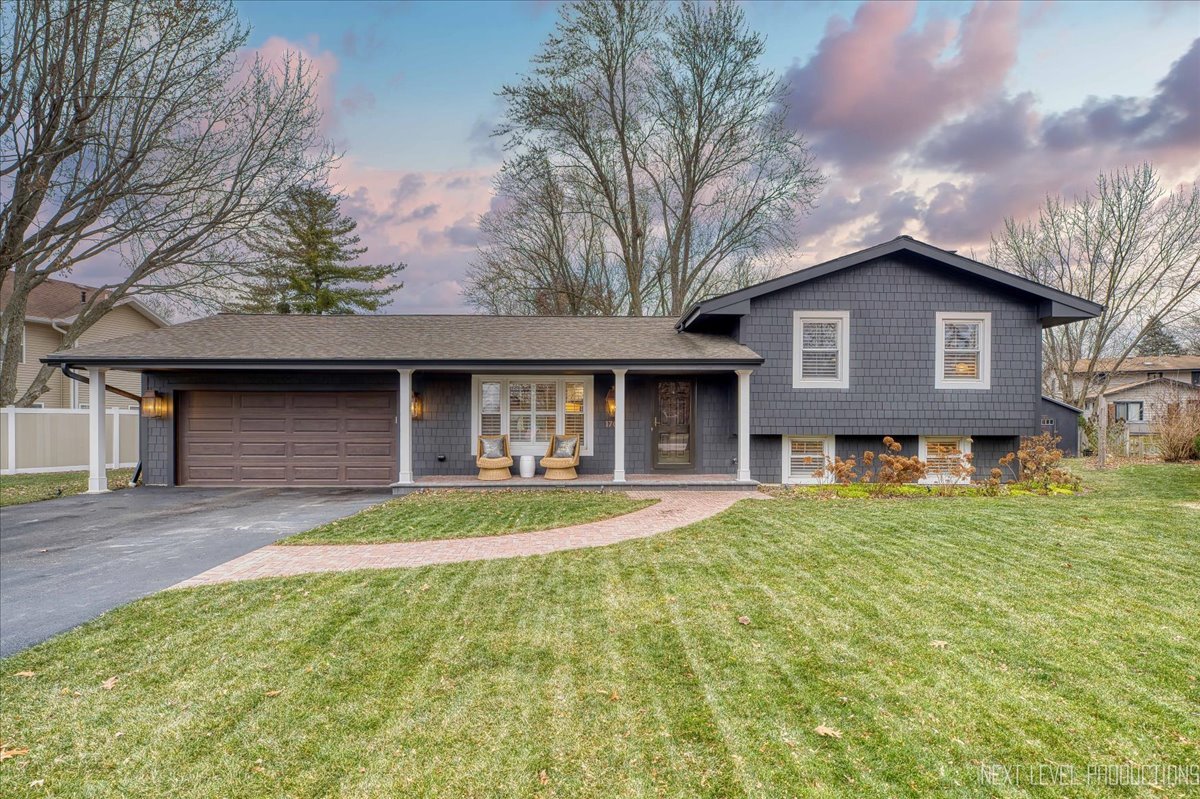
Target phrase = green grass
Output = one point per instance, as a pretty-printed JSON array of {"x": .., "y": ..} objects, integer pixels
[
  {"x": 17, "y": 489},
  {"x": 1071, "y": 628},
  {"x": 468, "y": 514}
]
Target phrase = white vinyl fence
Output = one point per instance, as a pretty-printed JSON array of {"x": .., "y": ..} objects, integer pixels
[{"x": 56, "y": 439}]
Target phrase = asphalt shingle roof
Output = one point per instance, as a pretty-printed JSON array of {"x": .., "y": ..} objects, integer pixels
[{"x": 415, "y": 338}]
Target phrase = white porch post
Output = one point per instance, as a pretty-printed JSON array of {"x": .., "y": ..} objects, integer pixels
[
  {"x": 404, "y": 414},
  {"x": 97, "y": 443},
  {"x": 619, "y": 428},
  {"x": 743, "y": 424}
]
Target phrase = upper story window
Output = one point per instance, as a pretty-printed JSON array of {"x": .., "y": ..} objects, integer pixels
[
  {"x": 964, "y": 350},
  {"x": 530, "y": 410},
  {"x": 1196, "y": 377},
  {"x": 1153, "y": 375},
  {"x": 821, "y": 349}
]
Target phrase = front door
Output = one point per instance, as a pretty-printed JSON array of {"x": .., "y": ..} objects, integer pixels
[{"x": 672, "y": 433}]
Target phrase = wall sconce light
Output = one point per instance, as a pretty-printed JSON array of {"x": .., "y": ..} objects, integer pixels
[
  {"x": 417, "y": 407},
  {"x": 610, "y": 403},
  {"x": 154, "y": 405}
]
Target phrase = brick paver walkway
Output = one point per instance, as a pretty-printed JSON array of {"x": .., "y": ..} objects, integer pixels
[{"x": 674, "y": 509}]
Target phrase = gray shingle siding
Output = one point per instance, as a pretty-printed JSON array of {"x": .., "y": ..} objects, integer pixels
[
  {"x": 446, "y": 427},
  {"x": 1066, "y": 425},
  {"x": 892, "y": 304}
]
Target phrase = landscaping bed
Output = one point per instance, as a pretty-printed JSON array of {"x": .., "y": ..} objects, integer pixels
[{"x": 432, "y": 515}]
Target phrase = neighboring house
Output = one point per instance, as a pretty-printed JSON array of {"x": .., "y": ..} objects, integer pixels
[
  {"x": 50, "y": 310},
  {"x": 901, "y": 339},
  {"x": 1139, "y": 369},
  {"x": 1062, "y": 420},
  {"x": 1140, "y": 404}
]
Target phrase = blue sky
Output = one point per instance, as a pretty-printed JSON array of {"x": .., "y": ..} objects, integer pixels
[{"x": 409, "y": 91}]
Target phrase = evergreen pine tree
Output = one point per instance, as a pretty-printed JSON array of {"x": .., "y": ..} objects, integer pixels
[
  {"x": 1158, "y": 341},
  {"x": 308, "y": 250}
]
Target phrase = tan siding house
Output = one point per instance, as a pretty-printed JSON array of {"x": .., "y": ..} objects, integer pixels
[{"x": 51, "y": 308}]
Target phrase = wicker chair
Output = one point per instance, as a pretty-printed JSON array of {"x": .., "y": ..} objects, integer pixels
[
  {"x": 494, "y": 468},
  {"x": 561, "y": 468}
]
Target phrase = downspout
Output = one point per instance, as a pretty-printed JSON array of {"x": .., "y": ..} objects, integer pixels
[{"x": 120, "y": 392}]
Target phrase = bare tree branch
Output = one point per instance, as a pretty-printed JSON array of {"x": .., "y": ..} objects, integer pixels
[{"x": 131, "y": 132}]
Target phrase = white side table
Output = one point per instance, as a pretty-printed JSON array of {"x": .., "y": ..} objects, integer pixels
[{"x": 528, "y": 466}]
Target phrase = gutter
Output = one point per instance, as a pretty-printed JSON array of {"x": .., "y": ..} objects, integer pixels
[{"x": 120, "y": 392}]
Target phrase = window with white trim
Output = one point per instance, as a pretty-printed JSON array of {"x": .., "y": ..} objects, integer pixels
[
  {"x": 964, "y": 344},
  {"x": 942, "y": 455},
  {"x": 803, "y": 456},
  {"x": 820, "y": 349},
  {"x": 532, "y": 409}
]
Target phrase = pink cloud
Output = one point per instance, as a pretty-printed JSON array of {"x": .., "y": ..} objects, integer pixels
[{"x": 877, "y": 84}]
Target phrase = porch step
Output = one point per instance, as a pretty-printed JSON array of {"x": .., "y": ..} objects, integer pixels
[{"x": 582, "y": 484}]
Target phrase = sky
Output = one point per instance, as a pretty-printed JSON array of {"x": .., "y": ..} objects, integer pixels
[{"x": 936, "y": 120}]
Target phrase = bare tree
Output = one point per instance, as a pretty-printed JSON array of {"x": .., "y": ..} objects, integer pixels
[
  {"x": 1132, "y": 246},
  {"x": 665, "y": 131},
  {"x": 545, "y": 255},
  {"x": 133, "y": 134}
]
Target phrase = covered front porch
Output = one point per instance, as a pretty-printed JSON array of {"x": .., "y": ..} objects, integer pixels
[{"x": 639, "y": 426}]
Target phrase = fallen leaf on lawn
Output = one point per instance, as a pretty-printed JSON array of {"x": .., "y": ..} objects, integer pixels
[
  {"x": 543, "y": 777},
  {"x": 827, "y": 732},
  {"x": 743, "y": 619},
  {"x": 5, "y": 754},
  {"x": 37, "y": 783},
  {"x": 938, "y": 644},
  {"x": 25, "y": 674},
  {"x": 274, "y": 693},
  {"x": 110, "y": 683},
  {"x": 614, "y": 696}
]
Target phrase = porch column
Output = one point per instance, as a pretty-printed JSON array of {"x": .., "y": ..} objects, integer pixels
[
  {"x": 404, "y": 415},
  {"x": 619, "y": 428},
  {"x": 97, "y": 443},
  {"x": 743, "y": 422}
]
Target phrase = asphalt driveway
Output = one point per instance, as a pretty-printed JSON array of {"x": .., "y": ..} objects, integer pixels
[{"x": 66, "y": 561}]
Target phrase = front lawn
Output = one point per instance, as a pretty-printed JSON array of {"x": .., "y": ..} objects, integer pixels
[
  {"x": 427, "y": 516},
  {"x": 931, "y": 640},
  {"x": 17, "y": 489}
]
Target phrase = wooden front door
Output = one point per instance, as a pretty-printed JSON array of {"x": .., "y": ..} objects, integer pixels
[{"x": 672, "y": 435}]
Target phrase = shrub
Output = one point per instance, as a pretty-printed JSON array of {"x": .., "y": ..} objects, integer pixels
[
  {"x": 1177, "y": 427},
  {"x": 1039, "y": 457},
  {"x": 896, "y": 469}
]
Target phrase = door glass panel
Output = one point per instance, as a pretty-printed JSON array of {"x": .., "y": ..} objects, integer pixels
[
  {"x": 673, "y": 424},
  {"x": 673, "y": 449}
]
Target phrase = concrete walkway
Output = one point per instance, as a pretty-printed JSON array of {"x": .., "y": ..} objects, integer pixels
[{"x": 674, "y": 509}]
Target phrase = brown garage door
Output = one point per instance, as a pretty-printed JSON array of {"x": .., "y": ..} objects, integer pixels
[{"x": 286, "y": 438}]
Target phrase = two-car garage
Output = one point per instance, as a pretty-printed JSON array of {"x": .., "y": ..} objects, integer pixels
[{"x": 268, "y": 438}]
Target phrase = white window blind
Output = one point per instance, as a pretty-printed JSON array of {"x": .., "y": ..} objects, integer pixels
[
  {"x": 961, "y": 341},
  {"x": 942, "y": 454},
  {"x": 808, "y": 455},
  {"x": 819, "y": 350}
]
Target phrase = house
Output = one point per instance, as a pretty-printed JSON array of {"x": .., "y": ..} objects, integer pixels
[
  {"x": 49, "y": 311},
  {"x": 1141, "y": 388},
  {"x": 903, "y": 339},
  {"x": 1139, "y": 369}
]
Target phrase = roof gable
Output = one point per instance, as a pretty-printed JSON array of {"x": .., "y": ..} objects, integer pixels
[
  {"x": 61, "y": 301},
  {"x": 1055, "y": 307}
]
